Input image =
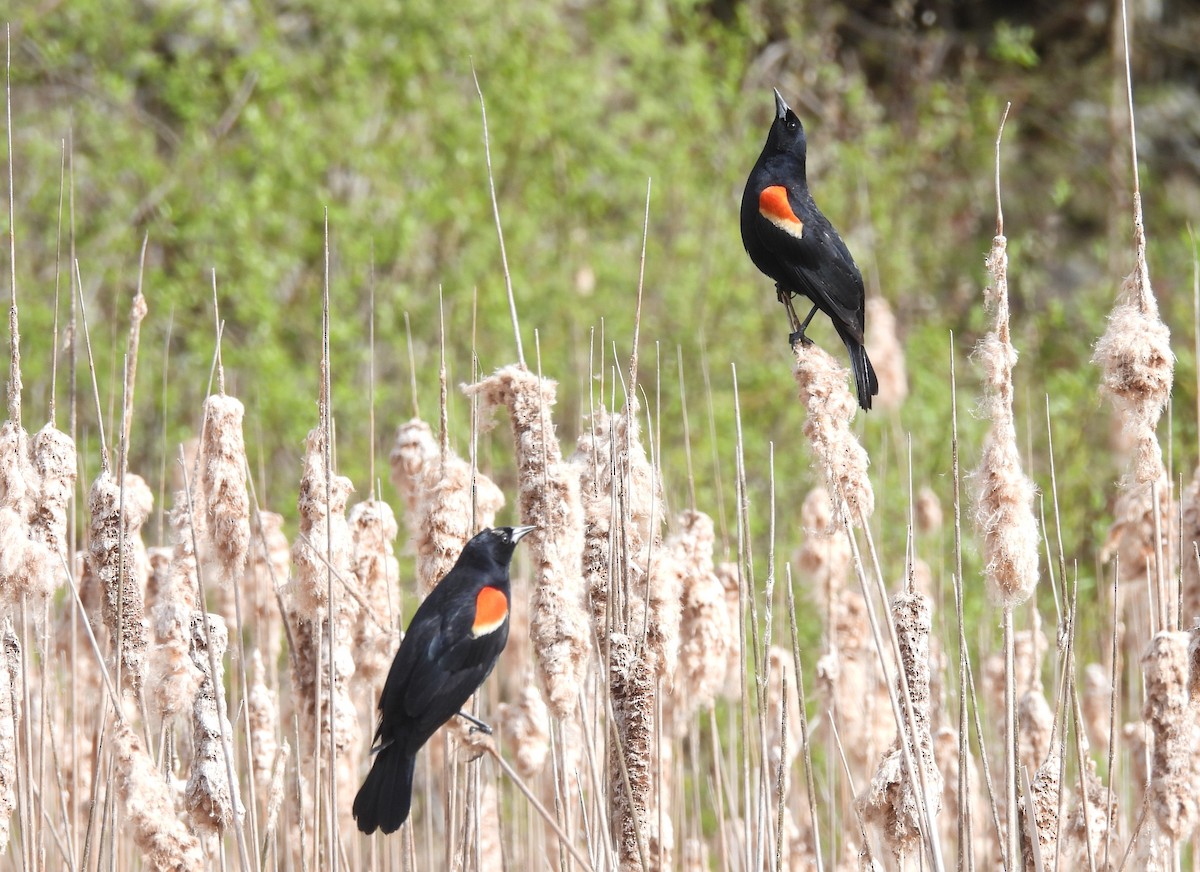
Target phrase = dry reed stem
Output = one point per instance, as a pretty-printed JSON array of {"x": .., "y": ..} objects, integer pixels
[
  {"x": 165, "y": 842},
  {"x": 117, "y": 561},
  {"x": 831, "y": 407},
  {"x": 782, "y": 746},
  {"x": 212, "y": 805},
  {"x": 413, "y": 450},
  {"x": 1005, "y": 495},
  {"x": 1029, "y": 652},
  {"x": 549, "y": 500},
  {"x": 11, "y": 714},
  {"x": 376, "y": 634},
  {"x": 223, "y": 485},
  {"x": 706, "y": 635},
  {"x": 886, "y": 353},
  {"x": 452, "y": 508},
  {"x": 526, "y": 724},
  {"x": 891, "y": 802},
  {"x": 1174, "y": 775},
  {"x": 1136, "y": 362},
  {"x": 946, "y": 755}
]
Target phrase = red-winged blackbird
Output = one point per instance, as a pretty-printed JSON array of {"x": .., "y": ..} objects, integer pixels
[
  {"x": 450, "y": 647},
  {"x": 789, "y": 239}
]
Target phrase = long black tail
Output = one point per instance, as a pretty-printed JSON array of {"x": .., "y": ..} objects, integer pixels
[
  {"x": 385, "y": 797},
  {"x": 865, "y": 382}
]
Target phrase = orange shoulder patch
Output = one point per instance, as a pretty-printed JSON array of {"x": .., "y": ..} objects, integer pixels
[
  {"x": 491, "y": 610},
  {"x": 774, "y": 206}
]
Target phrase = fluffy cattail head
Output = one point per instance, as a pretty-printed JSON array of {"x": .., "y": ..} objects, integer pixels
[
  {"x": 1171, "y": 719},
  {"x": 1137, "y": 366},
  {"x": 706, "y": 634},
  {"x": 928, "y": 510},
  {"x": 413, "y": 449},
  {"x": 831, "y": 408},
  {"x": 223, "y": 481}
]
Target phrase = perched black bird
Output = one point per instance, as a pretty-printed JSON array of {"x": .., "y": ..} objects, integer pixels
[
  {"x": 789, "y": 239},
  {"x": 451, "y": 645}
]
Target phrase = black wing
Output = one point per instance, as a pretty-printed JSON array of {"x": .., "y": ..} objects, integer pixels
[{"x": 818, "y": 265}]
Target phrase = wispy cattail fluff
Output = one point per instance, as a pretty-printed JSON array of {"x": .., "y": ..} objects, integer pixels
[
  {"x": 324, "y": 630},
  {"x": 825, "y": 555},
  {"x": 446, "y": 519},
  {"x": 321, "y": 523},
  {"x": 1045, "y": 796},
  {"x": 166, "y": 843},
  {"x": 549, "y": 499},
  {"x": 265, "y": 576},
  {"x": 1100, "y": 806},
  {"x": 25, "y": 566},
  {"x": 491, "y": 845},
  {"x": 10, "y": 722},
  {"x": 632, "y": 813},
  {"x": 376, "y": 635},
  {"x": 526, "y": 724},
  {"x": 886, "y": 353},
  {"x": 706, "y": 635},
  {"x": 891, "y": 802},
  {"x": 223, "y": 483},
  {"x": 210, "y": 803},
  {"x": 1135, "y": 515},
  {"x": 1036, "y": 720},
  {"x": 263, "y": 716},
  {"x": 54, "y": 462},
  {"x": 1004, "y": 501},
  {"x": 831, "y": 408},
  {"x": 1174, "y": 779},
  {"x": 1096, "y": 703},
  {"x": 595, "y": 460},
  {"x": 174, "y": 678},
  {"x": 1188, "y": 563},
  {"x": 1135, "y": 359},
  {"x": 117, "y": 562},
  {"x": 413, "y": 449}
]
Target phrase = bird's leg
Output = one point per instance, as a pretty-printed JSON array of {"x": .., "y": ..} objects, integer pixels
[
  {"x": 798, "y": 334},
  {"x": 479, "y": 725},
  {"x": 785, "y": 297}
]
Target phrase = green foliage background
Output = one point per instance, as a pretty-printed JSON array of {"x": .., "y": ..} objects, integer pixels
[{"x": 222, "y": 131}]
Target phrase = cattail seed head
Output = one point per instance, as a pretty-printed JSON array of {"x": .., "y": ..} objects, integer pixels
[
  {"x": 706, "y": 635},
  {"x": 886, "y": 353},
  {"x": 831, "y": 408},
  {"x": 549, "y": 500},
  {"x": 1173, "y": 770},
  {"x": 223, "y": 482}
]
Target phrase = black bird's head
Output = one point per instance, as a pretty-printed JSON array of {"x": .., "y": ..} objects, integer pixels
[
  {"x": 497, "y": 543},
  {"x": 787, "y": 133}
]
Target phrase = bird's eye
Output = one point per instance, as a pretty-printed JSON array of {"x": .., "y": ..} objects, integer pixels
[{"x": 792, "y": 124}]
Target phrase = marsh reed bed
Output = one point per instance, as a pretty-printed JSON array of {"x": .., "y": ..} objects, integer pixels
[{"x": 204, "y": 698}]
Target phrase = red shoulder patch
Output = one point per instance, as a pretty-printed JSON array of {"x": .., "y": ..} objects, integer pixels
[
  {"x": 774, "y": 206},
  {"x": 491, "y": 609}
]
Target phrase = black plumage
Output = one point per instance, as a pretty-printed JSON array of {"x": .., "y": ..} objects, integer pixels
[
  {"x": 790, "y": 241},
  {"x": 451, "y": 645}
]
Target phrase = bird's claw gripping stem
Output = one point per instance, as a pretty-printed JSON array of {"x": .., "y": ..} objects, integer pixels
[{"x": 478, "y": 725}]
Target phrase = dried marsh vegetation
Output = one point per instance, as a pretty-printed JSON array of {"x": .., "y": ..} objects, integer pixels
[{"x": 674, "y": 695}]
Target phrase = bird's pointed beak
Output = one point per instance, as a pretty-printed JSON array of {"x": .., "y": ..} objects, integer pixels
[
  {"x": 520, "y": 533},
  {"x": 781, "y": 108}
]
